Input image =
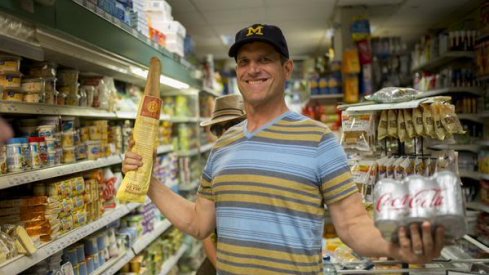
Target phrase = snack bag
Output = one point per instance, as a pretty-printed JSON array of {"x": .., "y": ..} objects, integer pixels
[
  {"x": 382, "y": 128},
  {"x": 428, "y": 123},
  {"x": 401, "y": 126},
  {"x": 392, "y": 123},
  {"x": 135, "y": 184},
  {"x": 440, "y": 132},
  {"x": 408, "y": 120},
  {"x": 418, "y": 121}
]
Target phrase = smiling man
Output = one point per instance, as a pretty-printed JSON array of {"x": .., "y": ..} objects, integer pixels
[{"x": 267, "y": 179}]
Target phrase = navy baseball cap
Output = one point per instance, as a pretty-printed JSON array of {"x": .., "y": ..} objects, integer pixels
[{"x": 260, "y": 32}]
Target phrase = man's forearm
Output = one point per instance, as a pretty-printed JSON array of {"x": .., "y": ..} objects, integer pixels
[
  {"x": 180, "y": 211},
  {"x": 365, "y": 239}
]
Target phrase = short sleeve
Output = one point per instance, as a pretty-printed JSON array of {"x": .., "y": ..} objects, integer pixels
[
  {"x": 205, "y": 188},
  {"x": 333, "y": 170}
]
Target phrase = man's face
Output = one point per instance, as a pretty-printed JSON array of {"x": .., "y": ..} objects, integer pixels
[{"x": 261, "y": 75}]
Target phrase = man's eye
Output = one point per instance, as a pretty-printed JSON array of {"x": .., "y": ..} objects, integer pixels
[{"x": 242, "y": 62}]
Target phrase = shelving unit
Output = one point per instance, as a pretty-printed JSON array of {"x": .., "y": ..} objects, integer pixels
[
  {"x": 477, "y": 205},
  {"x": 146, "y": 239},
  {"x": 189, "y": 186},
  {"x": 163, "y": 149},
  {"x": 172, "y": 261},
  {"x": 474, "y": 148},
  {"x": 115, "y": 264},
  {"x": 453, "y": 90},
  {"x": 59, "y": 35},
  {"x": 444, "y": 59},
  {"x": 22, "y": 262},
  {"x": 207, "y": 147},
  {"x": 14, "y": 179},
  {"x": 330, "y": 96}
]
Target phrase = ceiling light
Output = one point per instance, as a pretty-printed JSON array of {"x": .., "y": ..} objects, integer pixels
[{"x": 228, "y": 40}]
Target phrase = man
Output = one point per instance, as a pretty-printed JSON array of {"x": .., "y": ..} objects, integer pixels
[
  {"x": 267, "y": 178},
  {"x": 228, "y": 111}
]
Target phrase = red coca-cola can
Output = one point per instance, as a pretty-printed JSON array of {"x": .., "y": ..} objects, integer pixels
[
  {"x": 390, "y": 197},
  {"x": 451, "y": 213},
  {"x": 424, "y": 199}
]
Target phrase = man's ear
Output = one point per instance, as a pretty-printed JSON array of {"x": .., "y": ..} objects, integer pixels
[{"x": 289, "y": 68}]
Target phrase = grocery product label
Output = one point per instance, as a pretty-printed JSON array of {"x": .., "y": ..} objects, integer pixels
[{"x": 151, "y": 107}]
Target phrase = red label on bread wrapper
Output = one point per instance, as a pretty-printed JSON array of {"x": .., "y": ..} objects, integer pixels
[{"x": 151, "y": 107}]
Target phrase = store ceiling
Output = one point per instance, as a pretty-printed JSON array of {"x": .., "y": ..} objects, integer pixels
[{"x": 305, "y": 22}]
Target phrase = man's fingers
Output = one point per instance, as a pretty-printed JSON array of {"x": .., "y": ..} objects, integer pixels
[
  {"x": 132, "y": 155},
  {"x": 129, "y": 167},
  {"x": 404, "y": 241},
  {"x": 416, "y": 242},
  {"x": 439, "y": 241},
  {"x": 427, "y": 239}
]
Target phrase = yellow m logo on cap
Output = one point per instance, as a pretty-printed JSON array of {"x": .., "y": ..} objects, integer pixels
[{"x": 258, "y": 30}]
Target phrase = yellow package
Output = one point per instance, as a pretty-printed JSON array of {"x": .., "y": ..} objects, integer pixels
[
  {"x": 392, "y": 123},
  {"x": 449, "y": 120},
  {"x": 408, "y": 119},
  {"x": 401, "y": 126},
  {"x": 382, "y": 128},
  {"x": 436, "y": 113},
  {"x": 135, "y": 184},
  {"x": 428, "y": 122},
  {"x": 418, "y": 121}
]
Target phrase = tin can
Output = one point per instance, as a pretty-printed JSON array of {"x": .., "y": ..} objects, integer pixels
[
  {"x": 451, "y": 213},
  {"x": 390, "y": 198}
]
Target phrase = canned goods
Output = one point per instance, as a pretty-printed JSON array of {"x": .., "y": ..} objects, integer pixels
[
  {"x": 35, "y": 159},
  {"x": 15, "y": 158}
]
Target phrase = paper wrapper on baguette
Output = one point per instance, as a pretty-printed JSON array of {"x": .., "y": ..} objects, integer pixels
[{"x": 135, "y": 184}]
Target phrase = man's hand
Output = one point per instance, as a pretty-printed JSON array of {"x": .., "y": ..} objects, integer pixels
[
  {"x": 421, "y": 247},
  {"x": 132, "y": 161}
]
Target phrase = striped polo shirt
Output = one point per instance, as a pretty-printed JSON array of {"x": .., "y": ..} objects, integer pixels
[{"x": 269, "y": 187}]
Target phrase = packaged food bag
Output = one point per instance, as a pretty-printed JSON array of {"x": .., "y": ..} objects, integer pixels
[{"x": 135, "y": 184}]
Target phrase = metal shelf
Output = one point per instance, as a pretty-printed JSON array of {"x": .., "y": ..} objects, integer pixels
[
  {"x": 21, "y": 263},
  {"x": 445, "y": 58},
  {"x": 452, "y": 90},
  {"x": 190, "y": 153},
  {"x": 206, "y": 147},
  {"x": 372, "y": 106},
  {"x": 475, "y": 242},
  {"x": 484, "y": 143},
  {"x": 184, "y": 119},
  {"x": 474, "y": 148},
  {"x": 477, "y": 205},
  {"x": 163, "y": 149},
  {"x": 146, "y": 239},
  {"x": 172, "y": 261},
  {"x": 470, "y": 174},
  {"x": 471, "y": 117},
  {"x": 15, "y": 179},
  {"x": 189, "y": 187},
  {"x": 330, "y": 96},
  {"x": 133, "y": 115},
  {"x": 7, "y": 107},
  {"x": 115, "y": 264}
]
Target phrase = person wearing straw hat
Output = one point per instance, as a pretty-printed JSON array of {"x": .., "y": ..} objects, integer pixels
[
  {"x": 228, "y": 111},
  {"x": 267, "y": 180}
]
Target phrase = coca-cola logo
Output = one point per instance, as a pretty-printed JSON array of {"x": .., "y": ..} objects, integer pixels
[{"x": 424, "y": 198}]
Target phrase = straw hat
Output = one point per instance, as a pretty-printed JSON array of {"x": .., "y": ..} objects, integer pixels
[{"x": 228, "y": 107}]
